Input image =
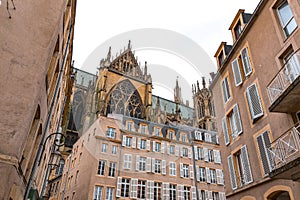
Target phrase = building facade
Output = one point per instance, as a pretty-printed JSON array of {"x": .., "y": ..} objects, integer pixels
[
  {"x": 255, "y": 92},
  {"x": 140, "y": 146},
  {"x": 36, "y": 83}
]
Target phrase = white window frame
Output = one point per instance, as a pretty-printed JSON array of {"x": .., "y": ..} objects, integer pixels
[
  {"x": 246, "y": 61},
  {"x": 110, "y": 132},
  {"x": 104, "y": 148},
  {"x": 250, "y": 102},
  {"x": 291, "y": 20},
  {"x": 226, "y": 90},
  {"x": 109, "y": 193},
  {"x": 112, "y": 169},
  {"x": 172, "y": 169},
  {"x": 101, "y": 167},
  {"x": 98, "y": 190}
]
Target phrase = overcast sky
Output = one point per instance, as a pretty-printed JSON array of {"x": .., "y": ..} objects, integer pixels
[{"x": 204, "y": 22}]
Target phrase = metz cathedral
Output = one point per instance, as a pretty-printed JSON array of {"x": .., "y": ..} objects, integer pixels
[{"x": 132, "y": 144}]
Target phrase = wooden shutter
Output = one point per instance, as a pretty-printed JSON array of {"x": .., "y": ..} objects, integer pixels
[
  {"x": 263, "y": 142},
  {"x": 246, "y": 62},
  {"x": 191, "y": 172},
  {"x": 181, "y": 151},
  {"x": 153, "y": 165},
  {"x": 180, "y": 192},
  {"x": 217, "y": 156},
  {"x": 124, "y": 141},
  {"x": 198, "y": 173},
  {"x": 153, "y": 146},
  {"x": 129, "y": 161},
  {"x": 181, "y": 170},
  {"x": 209, "y": 195},
  {"x": 205, "y": 153},
  {"x": 125, "y": 161},
  {"x": 138, "y": 143},
  {"x": 190, "y": 152},
  {"x": 119, "y": 186},
  {"x": 225, "y": 130},
  {"x": 222, "y": 196},
  {"x": 207, "y": 175},
  {"x": 177, "y": 150},
  {"x": 148, "y": 164},
  {"x": 220, "y": 179},
  {"x": 195, "y": 153},
  {"x": 133, "y": 144},
  {"x": 133, "y": 188},
  {"x": 246, "y": 165},
  {"x": 150, "y": 190},
  {"x": 237, "y": 72},
  {"x": 254, "y": 102},
  {"x": 164, "y": 167},
  {"x": 166, "y": 193},
  {"x": 137, "y": 163},
  {"x": 148, "y": 145},
  {"x": 194, "y": 194},
  {"x": 232, "y": 172},
  {"x": 237, "y": 118},
  {"x": 168, "y": 148},
  {"x": 162, "y": 147}
]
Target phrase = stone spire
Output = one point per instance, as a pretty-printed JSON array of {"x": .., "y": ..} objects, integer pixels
[{"x": 177, "y": 93}]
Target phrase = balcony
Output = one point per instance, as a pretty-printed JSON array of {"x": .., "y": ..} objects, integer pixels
[
  {"x": 284, "y": 90},
  {"x": 285, "y": 155}
]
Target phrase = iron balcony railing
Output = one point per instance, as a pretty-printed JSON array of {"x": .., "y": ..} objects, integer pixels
[
  {"x": 285, "y": 148},
  {"x": 285, "y": 77}
]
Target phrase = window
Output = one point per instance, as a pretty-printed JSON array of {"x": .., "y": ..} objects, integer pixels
[
  {"x": 213, "y": 176},
  {"x": 185, "y": 171},
  {"x": 114, "y": 149},
  {"x": 237, "y": 72},
  {"x": 172, "y": 169},
  {"x": 287, "y": 19},
  {"x": 110, "y": 132},
  {"x": 129, "y": 126},
  {"x": 157, "y": 166},
  {"x": 202, "y": 174},
  {"x": 98, "y": 193},
  {"x": 125, "y": 184},
  {"x": 157, "y": 191},
  {"x": 221, "y": 58},
  {"x": 143, "y": 129},
  {"x": 226, "y": 92},
  {"x": 157, "y": 131},
  {"x": 60, "y": 168},
  {"x": 142, "y": 164},
  {"x": 184, "y": 152},
  {"x": 239, "y": 168},
  {"x": 200, "y": 153},
  {"x": 104, "y": 148},
  {"x": 157, "y": 146},
  {"x": 171, "y": 135},
  {"x": 210, "y": 155},
  {"x": 143, "y": 144},
  {"x": 141, "y": 189},
  {"x": 202, "y": 194},
  {"x": 237, "y": 30},
  {"x": 246, "y": 61},
  {"x": 172, "y": 192},
  {"x": 172, "y": 149},
  {"x": 215, "y": 195},
  {"x": 112, "y": 169},
  {"x": 291, "y": 67},
  {"x": 183, "y": 138},
  {"x": 109, "y": 193},
  {"x": 254, "y": 102},
  {"x": 128, "y": 141},
  {"x": 101, "y": 167},
  {"x": 263, "y": 142},
  {"x": 186, "y": 193},
  {"x": 127, "y": 161}
]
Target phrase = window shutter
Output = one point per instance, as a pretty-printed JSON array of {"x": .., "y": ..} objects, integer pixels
[
  {"x": 138, "y": 143},
  {"x": 150, "y": 190},
  {"x": 263, "y": 142},
  {"x": 246, "y": 62},
  {"x": 246, "y": 165},
  {"x": 181, "y": 151},
  {"x": 125, "y": 161},
  {"x": 222, "y": 196},
  {"x": 153, "y": 165},
  {"x": 148, "y": 145},
  {"x": 124, "y": 141},
  {"x": 205, "y": 152},
  {"x": 217, "y": 156},
  {"x": 137, "y": 163},
  {"x": 133, "y": 188},
  {"x": 196, "y": 153},
  {"x": 166, "y": 193},
  {"x": 191, "y": 172},
  {"x": 232, "y": 172},
  {"x": 206, "y": 194},
  {"x": 254, "y": 102},
  {"x": 226, "y": 92},
  {"x": 168, "y": 148},
  {"x": 190, "y": 152},
  {"x": 194, "y": 194},
  {"x": 148, "y": 164},
  {"x": 200, "y": 195},
  {"x": 237, "y": 118},
  {"x": 237, "y": 72},
  {"x": 181, "y": 170},
  {"x": 180, "y": 192},
  {"x": 198, "y": 173},
  {"x": 225, "y": 130},
  {"x": 119, "y": 186},
  {"x": 207, "y": 175},
  {"x": 210, "y": 197},
  {"x": 153, "y": 146},
  {"x": 133, "y": 144},
  {"x": 219, "y": 176},
  {"x": 162, "y": 147},
  {"x": 177, "y": 150},
  {"x": 164, "y": 167},
  {"x": 129, "y": 161}
]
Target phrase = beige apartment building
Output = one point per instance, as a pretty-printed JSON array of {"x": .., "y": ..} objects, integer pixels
[
  {"x": 256, "y": 95},
  {"x": 136, "y": 145},
  {"x": 36, "y": 57}
]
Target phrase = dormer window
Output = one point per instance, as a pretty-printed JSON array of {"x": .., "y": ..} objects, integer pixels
[
  {"x": 237, "y": 30},
  {"x": 221, "y": 58}
]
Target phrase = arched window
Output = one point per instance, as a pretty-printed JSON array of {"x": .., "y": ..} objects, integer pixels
[
  {"x": 279, "y": 195},
  {"x": 125, "y": 100},
  {"x": 201, "y": 109}
]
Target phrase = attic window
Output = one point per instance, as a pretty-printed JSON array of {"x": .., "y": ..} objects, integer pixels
[
  {"x": 237, "y": 30},
  {"x": 221, "y": 58}
]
